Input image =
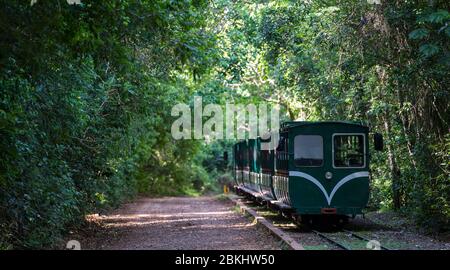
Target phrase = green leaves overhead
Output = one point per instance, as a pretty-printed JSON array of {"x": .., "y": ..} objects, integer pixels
[
  {"x": 447, "y": 30},
  {"x": 439, "y": 16},
  {"x": 420, "y": 33},
  {"x": 428, "y": 50}
]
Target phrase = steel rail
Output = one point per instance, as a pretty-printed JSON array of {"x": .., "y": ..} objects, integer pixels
[
  {"x": 331, "y": 240},
  {"x": 363, "y": 238}
]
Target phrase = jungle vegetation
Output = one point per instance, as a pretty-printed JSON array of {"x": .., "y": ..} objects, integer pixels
[{"x": 86, "y": 90}]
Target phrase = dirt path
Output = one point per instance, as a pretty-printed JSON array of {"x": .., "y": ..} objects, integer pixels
[{"x": 177, "y": 223}]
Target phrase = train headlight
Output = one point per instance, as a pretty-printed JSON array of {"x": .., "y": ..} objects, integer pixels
[{"x": 328, "y": 175}]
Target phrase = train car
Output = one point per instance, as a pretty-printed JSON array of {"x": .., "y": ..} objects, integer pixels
[
  {"x": 317, "y": 169},
  {"x": 254, "y": 164},
  {"x": 245, "y": 164},
  {"x": 237, "y": 168},
  {"x": 240, "y": 163},
  {"x": 267, "y": 159}
]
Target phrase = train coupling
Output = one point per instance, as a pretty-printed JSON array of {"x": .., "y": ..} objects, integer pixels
[{"x": 328, "y": 211}]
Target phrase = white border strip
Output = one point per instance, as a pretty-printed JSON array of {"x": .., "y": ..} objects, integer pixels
[{"x": 339, "y": 184}]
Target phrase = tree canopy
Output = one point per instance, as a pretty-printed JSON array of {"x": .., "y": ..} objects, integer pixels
[{"x": 87, "y": 89}]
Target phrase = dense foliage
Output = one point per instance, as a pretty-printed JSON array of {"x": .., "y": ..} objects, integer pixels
[
  {"x": 86, "y": 93},
  {"x": 385, "y": 63},
  {"x": 87, "y": 90}
]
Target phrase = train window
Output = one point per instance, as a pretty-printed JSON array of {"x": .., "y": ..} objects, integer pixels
[
  {"x": 308, "y": 150},
  {"x": 348, "y": 151}
]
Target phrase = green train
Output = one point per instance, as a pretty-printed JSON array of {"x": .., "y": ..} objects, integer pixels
[{"x": 318, "y": 169}]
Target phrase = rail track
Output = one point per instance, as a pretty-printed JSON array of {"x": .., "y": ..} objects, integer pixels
[
  {"x": 364, "y": 238},
  {"x": 333, "y": 237},
  {"x": 334, "y": 242},
  {"x": 343, "y": 246}
]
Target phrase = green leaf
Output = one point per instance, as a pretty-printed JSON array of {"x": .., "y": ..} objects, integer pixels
[
  {"x": 438, "y": 16},
  {"x": 428, "y": 50},
  {"x": 419, "y": 33},
  {"x": 447, "y": 31}
]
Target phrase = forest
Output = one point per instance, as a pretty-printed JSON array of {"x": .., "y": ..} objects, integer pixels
[{"x": 87, "y": 87}]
